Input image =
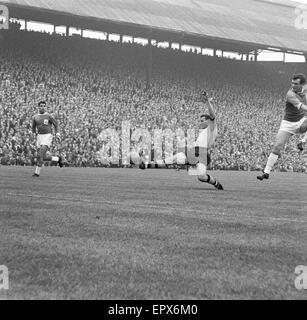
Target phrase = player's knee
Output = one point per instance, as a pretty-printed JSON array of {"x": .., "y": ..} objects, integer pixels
[
  {"x": 40, "y": 161},
  {"x": 278, "y": 148},
  {"x": 43, "y": 151},
  {"x": 39, "y": 157},
  {"x": 276, "y": 152},
  {"x": 203, "y": 178}
]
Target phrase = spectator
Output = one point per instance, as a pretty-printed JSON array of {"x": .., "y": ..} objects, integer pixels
[{"x": 93, "y": 85}]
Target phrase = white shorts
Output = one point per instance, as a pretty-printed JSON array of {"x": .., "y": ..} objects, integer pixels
[
  {"x": 44, "y": 140},
  {"x": 291, "y": 127}
]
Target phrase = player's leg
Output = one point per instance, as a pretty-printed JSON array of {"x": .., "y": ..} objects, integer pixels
[
  {"x": 40, "y": 160},
  {"x": 47, "y": 143},
  {"x": 42, "y": 157},
  {"x": 49, "y": 158},
  {"x": 204, "y": 177},
  {"x": 56, "y": 159},
  {"x": 281, "y": 139},
  {"x": 43, "y": 143},
  {"x": 303, "y": 129}
]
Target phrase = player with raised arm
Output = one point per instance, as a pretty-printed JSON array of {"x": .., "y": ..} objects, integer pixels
[
  {"x": 202, "y": 146},
  {"x": 42, "y": 124},
  {"x": 205, "y": 141},
  {"x": 294, "y": 122}
]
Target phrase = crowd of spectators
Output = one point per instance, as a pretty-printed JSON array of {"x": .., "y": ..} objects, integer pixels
[{"x": 92, "y": 85}]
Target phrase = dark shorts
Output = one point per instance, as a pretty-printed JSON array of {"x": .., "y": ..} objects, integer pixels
[{"x": 197, "y": 154}]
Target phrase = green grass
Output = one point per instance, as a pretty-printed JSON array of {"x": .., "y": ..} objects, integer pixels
[{"x": 154, "y": 234}]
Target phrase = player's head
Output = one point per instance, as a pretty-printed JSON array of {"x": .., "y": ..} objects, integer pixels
[
  {"x": 298, "y": 81},
  {"x": 42, "y": 107},
  {"x": 204, "y": 121}
]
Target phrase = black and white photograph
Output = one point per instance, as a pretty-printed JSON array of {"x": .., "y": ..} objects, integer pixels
[{"x": 153, "y": 150}]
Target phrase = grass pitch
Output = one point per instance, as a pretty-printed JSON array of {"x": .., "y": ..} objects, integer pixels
[{"x": 155, "y": 234}]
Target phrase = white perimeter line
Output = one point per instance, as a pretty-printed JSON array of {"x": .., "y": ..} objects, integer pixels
[{"x": 154, "y": 207}]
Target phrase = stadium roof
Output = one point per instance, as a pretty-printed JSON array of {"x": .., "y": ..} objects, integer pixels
[{"x": 236, "y": 24}]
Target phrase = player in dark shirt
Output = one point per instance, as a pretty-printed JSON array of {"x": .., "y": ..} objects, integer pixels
[
  {"x": 294, "y": 122},
  {"x": 42, "y": 124}
]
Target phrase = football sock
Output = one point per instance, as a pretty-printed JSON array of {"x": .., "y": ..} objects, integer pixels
[
  {"x": 208, "y": 179},
  {"x": 38, "y": 170},
  {"x": 270, "y": 164},
  {"x": 211, "y": 180}
]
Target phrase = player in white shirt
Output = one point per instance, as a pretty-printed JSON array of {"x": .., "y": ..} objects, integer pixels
[{"x": 207, "y": 136}]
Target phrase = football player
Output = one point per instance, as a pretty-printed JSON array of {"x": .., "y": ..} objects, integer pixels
[
  {"x": 206, "y": 139},
  {"x": 202, "y": 146},
  {"x": 42, "y": 124},
  {"x": 294, "y": 122}
]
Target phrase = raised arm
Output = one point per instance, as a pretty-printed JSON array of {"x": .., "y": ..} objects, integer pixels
[{"x": 210, "y": 104}]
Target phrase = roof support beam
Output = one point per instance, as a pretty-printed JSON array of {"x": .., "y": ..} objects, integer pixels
[{"x": 149, "y": 65}]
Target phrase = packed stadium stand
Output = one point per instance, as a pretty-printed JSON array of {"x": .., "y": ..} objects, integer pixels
[{"x": 92, "y": 85}]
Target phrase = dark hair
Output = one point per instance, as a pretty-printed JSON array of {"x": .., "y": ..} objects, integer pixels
[
  {"x": 41, "y": 102},
  {"x": 300, "y": 76}
]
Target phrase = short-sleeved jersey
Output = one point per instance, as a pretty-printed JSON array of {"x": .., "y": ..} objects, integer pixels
[
  {"x": 207, "y": 136},
  {"x": 42, "y": 124},
  {"x": 293, "y": 112}
]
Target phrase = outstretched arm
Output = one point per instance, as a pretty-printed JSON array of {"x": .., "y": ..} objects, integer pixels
[
  {"x": 211, "y": 108},
  {"x": 209, "y": 101}
]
